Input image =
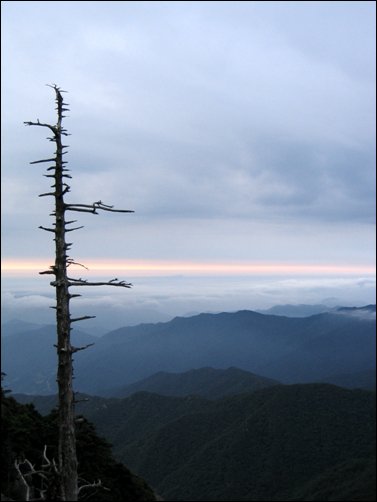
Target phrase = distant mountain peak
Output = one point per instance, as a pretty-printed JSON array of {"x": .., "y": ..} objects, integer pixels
[
  {"x": 366, "y": 312},
  {"x": 207, "y": 382},
  {"x": 284, "y": 348},
  {"x": 296, "y": 310},
  {"x": 368, "y": 308}
]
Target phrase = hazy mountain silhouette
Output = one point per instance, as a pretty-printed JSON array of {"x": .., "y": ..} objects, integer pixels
[
  {"x": 301, "y": 310},
  {"x": 290, "y": 350},
  {"x": 207, "y": 382},
  {"x": 16, "y": 326},
  {"x": 29, "y": 358}
]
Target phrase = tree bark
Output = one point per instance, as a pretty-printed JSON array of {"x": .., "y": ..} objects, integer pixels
[
  {"x": 67, "y": 464},
  {"x": 67, "y": 438}
]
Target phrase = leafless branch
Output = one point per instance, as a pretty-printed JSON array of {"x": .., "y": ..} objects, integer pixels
[
  {"x": 55, "y": 87},
  {"x": 92, "y": 485},
  {"x": 113, "y": 282},
  {"x": 52, "y": 194},
  {"x": 92, "y": 208},
  {"x": 23, "y": 480},
  {"x": 53, "y": 128},
  {"x": 43, "y": 160},
  {"x": 73, "y": 229},
  {"x": 83, "y": 318},
  {"x": 47, "y": 229},
  {"x": 80, "y": 210},
  {"x": 72, "y": 262},
  {"x": 76, "y": 349},
  {"x": 48, "y": 462},
  {"x": 47, "y": 473}
]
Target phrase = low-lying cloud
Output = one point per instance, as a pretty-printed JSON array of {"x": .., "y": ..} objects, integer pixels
[{"x": 155, "y": 299}]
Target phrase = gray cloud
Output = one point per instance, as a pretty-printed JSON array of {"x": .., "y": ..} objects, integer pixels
[
  {"x": 227, "y": 126},
  {"x": 160, "y": 299}
]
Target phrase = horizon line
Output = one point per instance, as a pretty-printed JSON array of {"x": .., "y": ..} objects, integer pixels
[{"x": 159, "y": 267}]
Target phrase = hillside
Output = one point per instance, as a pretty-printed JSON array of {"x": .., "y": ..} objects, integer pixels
[
  {"x": 361, "y": 379},
  {"x": 263, "y": 446},
  {"x": 29, "y": 358},
  {"x": 295, "y": 442},
  {"x": 291, "y": 350},
  {"x": 205, "y": 382},
  {"x": 209, "y": 383},
  {"x": 25, "y": 432},
  {"x": 16, "y": 326}
]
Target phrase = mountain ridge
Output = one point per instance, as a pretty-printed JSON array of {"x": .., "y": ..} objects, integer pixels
[
  {"x": 290, "y": 350},
  {"x": 284, "y": 442},
  {"x": 207, "y": 382}
]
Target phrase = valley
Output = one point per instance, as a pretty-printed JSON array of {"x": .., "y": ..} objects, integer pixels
[{"x": 229, "y": 406}]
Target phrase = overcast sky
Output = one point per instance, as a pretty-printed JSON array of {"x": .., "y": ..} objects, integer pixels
[{"x": 239, "y": 132}]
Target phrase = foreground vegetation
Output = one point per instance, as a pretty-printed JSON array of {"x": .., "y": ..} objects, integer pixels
[
  {"x": 25, "y": 432},
  {"x": 284, "y": 442}
]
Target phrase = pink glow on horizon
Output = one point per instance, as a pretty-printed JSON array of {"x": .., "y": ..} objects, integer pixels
[{"x": 157, "y": 267}]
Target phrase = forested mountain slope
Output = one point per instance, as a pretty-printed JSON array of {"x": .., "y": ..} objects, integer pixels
[
  {"x": 25, "y": 433},
  {"x": 284, "y": 442},
  {"x": 291, "y": 350},
  {"x": 206, "y": 382}
]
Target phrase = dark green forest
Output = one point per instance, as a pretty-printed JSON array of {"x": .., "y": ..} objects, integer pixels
[
  {"x": 25, "y": 432},
  {"x": 283, "y": 442},
  {"x": 299, "y": 442}
]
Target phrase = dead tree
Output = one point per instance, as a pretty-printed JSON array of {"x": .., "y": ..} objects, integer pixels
[
  {"x": 59, "y": 173},
  {"x": 43, "y": 483}
]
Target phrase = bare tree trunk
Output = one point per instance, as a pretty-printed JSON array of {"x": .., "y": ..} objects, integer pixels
[
  {"x": 67, "y": 464},
  {"x": 67, "y": 438}
]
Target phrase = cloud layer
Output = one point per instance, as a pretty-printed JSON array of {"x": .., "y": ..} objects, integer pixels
[{"x": 235, "y": 130}]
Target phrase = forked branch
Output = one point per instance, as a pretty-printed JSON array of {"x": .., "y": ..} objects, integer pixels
[
  {"x": 83, "y": 282},
  {"x": 92, "y": 208}
]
